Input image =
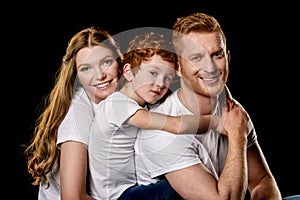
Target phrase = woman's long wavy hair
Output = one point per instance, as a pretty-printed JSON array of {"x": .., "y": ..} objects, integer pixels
[{"x": 41, "y": 153}]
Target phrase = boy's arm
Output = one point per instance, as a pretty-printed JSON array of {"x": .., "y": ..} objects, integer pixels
[{"x": 183, "y": 124}]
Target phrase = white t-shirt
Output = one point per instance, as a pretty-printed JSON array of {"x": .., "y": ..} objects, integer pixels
[
  {"x": 78, "y": 120},
  {"x": 159, "y": 152},
  {"x": 53, "y": 192},
  {"x": 75, "y": 126},
  {"x": 111, "y": 147}
]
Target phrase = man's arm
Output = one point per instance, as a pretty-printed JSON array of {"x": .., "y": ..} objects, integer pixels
[
  {"x": 262, "y": 184},
  {"x": 196, "y": 182}
]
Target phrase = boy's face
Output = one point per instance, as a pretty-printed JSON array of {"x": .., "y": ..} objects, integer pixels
[{"x": 152, "y": 80}]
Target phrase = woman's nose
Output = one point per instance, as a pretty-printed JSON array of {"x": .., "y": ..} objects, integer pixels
[{"x": 101, "y": 74}]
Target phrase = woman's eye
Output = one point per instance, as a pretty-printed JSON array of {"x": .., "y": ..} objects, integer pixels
[
  {"x": 108, "y": 62},
  {"x": 84, "y": 68}
]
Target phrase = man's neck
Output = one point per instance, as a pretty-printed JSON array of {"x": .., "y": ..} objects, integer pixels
[{"x": 197, "y": 104}]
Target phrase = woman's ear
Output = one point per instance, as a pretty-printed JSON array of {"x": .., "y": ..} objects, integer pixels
[{"x": 127, "y": 73}]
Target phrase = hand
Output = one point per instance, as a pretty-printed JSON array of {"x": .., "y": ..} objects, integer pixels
[
  {"x": 236, "y": 121},
  {"x": 218, "y": 121}
]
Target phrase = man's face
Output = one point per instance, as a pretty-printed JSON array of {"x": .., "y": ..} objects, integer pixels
[{"x": 203, "y": 63}]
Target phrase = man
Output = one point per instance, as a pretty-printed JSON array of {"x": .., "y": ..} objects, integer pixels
[{"x": 207, "y": 165}]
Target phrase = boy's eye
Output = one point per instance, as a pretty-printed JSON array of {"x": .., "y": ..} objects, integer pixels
[
  {"x": 168, "y": 78},
  {"x": 153, "y": 73}
]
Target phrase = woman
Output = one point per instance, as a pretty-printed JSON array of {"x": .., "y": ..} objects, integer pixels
[{"x": 64, "y": 168}]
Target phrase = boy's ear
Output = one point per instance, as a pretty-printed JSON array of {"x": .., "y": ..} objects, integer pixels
[
  {"x": 178, "y": 71},
  {"x": 127, "y": 73}
]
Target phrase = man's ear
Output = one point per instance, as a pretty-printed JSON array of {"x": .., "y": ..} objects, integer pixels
[
  {"x": 127, "y": 73},
  {"x": 228, "y": 56}
]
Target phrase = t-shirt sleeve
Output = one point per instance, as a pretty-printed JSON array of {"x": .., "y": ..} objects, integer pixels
[
  {"x": 77, "y": 122},
  {"x": 121, "y": 108},
  {"x": 252, "y": 137}
]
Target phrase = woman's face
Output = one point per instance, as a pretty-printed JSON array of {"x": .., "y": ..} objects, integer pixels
[{"x": 97, "y": 71}]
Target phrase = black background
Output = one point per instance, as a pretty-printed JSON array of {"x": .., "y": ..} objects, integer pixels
[{"x": 262, "y": 37}]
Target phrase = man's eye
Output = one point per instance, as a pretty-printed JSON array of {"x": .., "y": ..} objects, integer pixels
[
  {"x": 196, "y": 58},
  {"x": 219, "y": 54}
]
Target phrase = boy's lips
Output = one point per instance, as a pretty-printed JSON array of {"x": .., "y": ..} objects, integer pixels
[{"x": 156, "y": 92}]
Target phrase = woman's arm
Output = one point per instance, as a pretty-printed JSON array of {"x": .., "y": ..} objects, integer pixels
[{"x": 73, "y": 170}]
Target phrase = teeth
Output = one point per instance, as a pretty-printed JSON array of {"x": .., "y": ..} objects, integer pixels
[
  {"x": 208, "y": 79},
  {"x": 101, "y": 85}
]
